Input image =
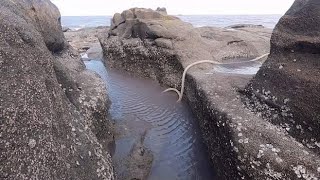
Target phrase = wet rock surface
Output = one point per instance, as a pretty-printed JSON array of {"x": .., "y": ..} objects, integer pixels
[
  {"x": 288, "y": 82},
  {"x": 139, "y": 161},
  {"x": 241, "y": 142},
  {"x": 85, "y": 41},
  {"x": 45, "y": 129}
]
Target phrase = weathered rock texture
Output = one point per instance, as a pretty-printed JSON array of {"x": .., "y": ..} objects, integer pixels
[
  {"x": 86, "y": 91},
  {"x": 86, "y": 41},
  {"x": 290, "y": 79},
  {"x": 140, "y": 38},
  {"x": 241, "y": 144},
  {"x": 46, "y": 131}
]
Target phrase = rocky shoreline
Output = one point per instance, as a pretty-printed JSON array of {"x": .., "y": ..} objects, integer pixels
[
  {"x": 138, "y": 163},
  {"x": 54, "y": 112},
  {"x": 85, "y": 41},
  {"x": 243, "y": 144}
]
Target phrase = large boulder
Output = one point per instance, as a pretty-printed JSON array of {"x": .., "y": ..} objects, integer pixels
[
  {"x": 288, "y": 82},
  {"x": 86, "y": 91},
  {"x": 153, "y": 38},
  {"x": 45, "y": 131},
  {"x": 44, "y": 17}
]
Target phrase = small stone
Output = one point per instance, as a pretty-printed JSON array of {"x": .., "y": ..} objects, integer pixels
[
  {"x": 299, "y": 70},
  {"x": 32, "y": 143},
  {"x": 280, "y": 67},
  {"x": 286, "y": 100},
  {"x": 295, "y": 60},
  {"x": 73, "y": 129},
  {"x": 318, "y": 169},
  {"x": 279, "y": 160},
  {"x": 305, "y": 152},
  {"x": 260, "y": 154},
  {"x": 77, "y": 162}
]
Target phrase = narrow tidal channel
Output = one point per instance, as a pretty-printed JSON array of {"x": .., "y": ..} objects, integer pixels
[{"x": 171, "y": 131}]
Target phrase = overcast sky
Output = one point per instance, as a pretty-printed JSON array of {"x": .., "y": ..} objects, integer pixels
[{"x": 186, "y": 7}]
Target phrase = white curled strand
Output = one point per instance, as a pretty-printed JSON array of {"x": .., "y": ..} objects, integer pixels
[{"x": 180, "y": 93}]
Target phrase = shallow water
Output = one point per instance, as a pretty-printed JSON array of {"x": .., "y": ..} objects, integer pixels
[
  {"x": 246, "y": 68},
  {"x": 173, "y": 136}
]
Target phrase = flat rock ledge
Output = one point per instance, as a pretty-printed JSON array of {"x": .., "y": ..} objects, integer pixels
[{"x": 242, "y": 143}]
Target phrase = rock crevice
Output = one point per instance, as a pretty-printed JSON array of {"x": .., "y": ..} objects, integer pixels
[{"x": 242, "y": 144}]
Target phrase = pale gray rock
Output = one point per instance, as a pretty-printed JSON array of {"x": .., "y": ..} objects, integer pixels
[
  {"x": 164, "y": 43},
  {"x": 127, "y": 14}
]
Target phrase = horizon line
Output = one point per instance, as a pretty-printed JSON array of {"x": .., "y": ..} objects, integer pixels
[{"x": 185, "y": 15}]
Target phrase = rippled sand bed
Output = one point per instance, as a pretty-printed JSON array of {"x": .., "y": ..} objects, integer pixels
[{"x": 171, "y": 131}]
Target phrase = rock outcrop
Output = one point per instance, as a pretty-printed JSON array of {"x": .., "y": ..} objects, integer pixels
[
  {"x": 242, "y": 144},
  {"x": 49, "y": 116},
  {"x": 289, "y": 79},
  {"x": 155, "y": 38},
  {"x": 86, "y": 42}
]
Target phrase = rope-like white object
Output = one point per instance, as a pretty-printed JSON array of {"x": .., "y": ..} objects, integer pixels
[{"x": 180, "y": 94}]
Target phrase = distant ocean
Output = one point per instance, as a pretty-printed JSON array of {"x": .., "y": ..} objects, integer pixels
[{"x": 78, "y": 22}]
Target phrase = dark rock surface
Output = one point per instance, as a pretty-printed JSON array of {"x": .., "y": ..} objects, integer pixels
[
  {"x": 241, "y": 143},
  {"x": 162, "y": 10},
  {"x": 65, "y": 29},
  {"x": 45, "y": 131},
  {"x": 289, "y": 79},
  {"x": 138, "y": 164},
  {"x": 237, "y": 26}
]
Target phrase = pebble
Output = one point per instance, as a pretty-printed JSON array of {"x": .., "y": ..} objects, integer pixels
[{"x": 32, "y": 143}]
